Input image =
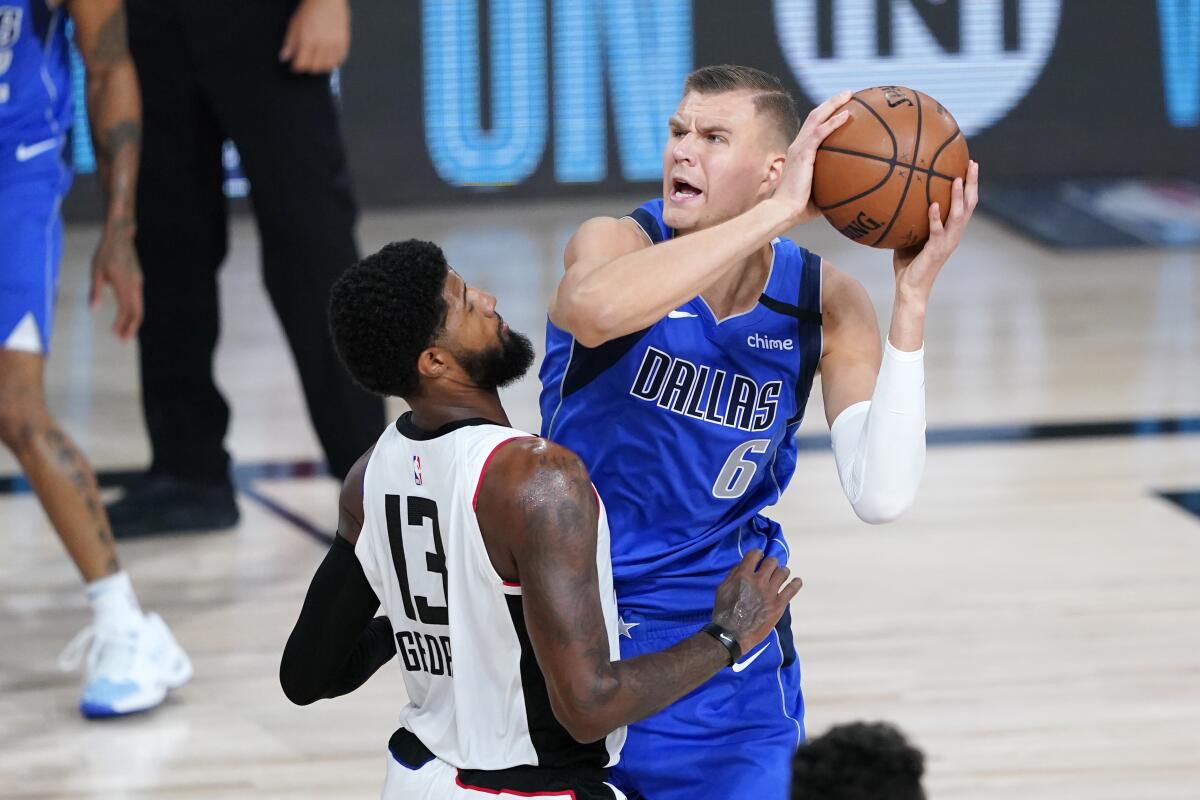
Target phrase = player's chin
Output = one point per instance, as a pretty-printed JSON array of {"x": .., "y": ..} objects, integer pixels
[{"x": 680, "y": 217}]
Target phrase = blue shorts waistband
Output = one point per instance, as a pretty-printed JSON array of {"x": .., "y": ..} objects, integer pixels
[{"x": 665, "y": 627}]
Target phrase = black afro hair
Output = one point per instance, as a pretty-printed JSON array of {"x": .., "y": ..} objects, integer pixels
[{"x": 385, "y": 310}]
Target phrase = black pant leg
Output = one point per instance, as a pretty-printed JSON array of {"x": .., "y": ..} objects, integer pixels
[
  {"x": 287, "y": 132},
  {"x": 181, "y": 242}
]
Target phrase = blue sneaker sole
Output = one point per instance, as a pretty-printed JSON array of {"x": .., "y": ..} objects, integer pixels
[{"x": 97, "y": 711}]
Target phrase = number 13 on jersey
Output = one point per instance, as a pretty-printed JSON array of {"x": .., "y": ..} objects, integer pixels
[
  {"x": 421, "y": 510},
  {"x": 420, "y": 651}
]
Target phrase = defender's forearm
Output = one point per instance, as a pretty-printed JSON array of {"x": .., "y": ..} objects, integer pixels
[{"x": 623, "y": 692}]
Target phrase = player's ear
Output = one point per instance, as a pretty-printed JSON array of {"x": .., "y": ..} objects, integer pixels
[
  {"x": 774, "y": 173},
  {"x": 433, "y": 362}
]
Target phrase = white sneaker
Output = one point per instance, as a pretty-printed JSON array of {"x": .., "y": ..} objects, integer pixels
[{"x": 127, "y": 670}]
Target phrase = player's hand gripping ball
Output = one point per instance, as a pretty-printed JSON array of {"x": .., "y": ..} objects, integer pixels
[{"x": 875, "y": 177}]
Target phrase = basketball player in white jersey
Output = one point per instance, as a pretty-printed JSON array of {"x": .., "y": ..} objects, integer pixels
[{"x": 488, "y": 549}]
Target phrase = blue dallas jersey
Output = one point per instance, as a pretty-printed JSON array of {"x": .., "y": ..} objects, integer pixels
[
  {"x": 687, "y": 428},
  {"x": 35, "y": 78}
]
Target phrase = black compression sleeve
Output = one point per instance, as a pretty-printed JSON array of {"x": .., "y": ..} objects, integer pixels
[
  {"x": 375, "y": 647},
  {"x": 336, "y": 645}
]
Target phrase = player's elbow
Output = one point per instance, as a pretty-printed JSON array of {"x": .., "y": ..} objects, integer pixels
[
  {"x": 98, "y": 74},
  {"x": 584, "y": 716},
  {"x": 300, "y": 695},
  {"x": 878, "y": 510},
  {"x": 297, "y": 686},
  {"x": 589, "y": 319},
  {"x": 583, "y": 727}
]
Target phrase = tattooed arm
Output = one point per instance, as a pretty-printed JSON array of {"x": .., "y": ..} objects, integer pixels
[
  {"x": 115, "y": 112},
  {"x": 538, "y": 514}
]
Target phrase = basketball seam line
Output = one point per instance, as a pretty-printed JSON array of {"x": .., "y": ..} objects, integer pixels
[
  {"x": 894, "y": 162},
  {"x": 883, "y": 122},
  {"x": 908, "y": 183},
  {"x": 933, "y": 163},
  {"x": 861, "y": 195}
]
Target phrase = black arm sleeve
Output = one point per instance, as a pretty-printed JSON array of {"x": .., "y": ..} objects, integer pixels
[{"x": 336, "y": 645}]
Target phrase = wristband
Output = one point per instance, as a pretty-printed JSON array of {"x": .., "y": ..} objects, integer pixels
[{"x": 727, "y": 640}]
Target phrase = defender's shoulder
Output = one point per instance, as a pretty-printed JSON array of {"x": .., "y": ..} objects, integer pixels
[{"x": 532, "y": 463}]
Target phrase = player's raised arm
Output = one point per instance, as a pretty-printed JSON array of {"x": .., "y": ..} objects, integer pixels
[
  {"x": 538, "y": 499},
  {"x": 615, "y": 283},
  {"x": 603, "y": 297},
  {"x": 875, "y": 402},
  {"x": 338, "y": 642}
]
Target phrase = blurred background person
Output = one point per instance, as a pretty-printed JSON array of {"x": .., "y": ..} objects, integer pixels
[
  {"x": 858, "y": 761},
  {"x": 258, "y": 74},
  {"x": 132, "y": 659}
]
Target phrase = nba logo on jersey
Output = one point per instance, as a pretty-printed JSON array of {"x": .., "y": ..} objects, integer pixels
[{"x": 417, "y": 470}]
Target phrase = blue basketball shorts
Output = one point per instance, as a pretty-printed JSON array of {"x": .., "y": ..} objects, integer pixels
[
  {"x": 735, "y": 736},
  {"x": 32, "y": 185}
]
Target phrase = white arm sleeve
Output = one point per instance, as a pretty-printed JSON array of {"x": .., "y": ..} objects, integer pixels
[{"x": 879, "y": 444}]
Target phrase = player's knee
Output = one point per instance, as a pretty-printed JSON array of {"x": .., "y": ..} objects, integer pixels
[
  {"x": 16, "y": 424},
  {"x": 21, "y": 410}
]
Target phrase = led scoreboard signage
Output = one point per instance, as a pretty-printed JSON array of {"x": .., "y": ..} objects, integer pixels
[{"x": 448, "y": 100}]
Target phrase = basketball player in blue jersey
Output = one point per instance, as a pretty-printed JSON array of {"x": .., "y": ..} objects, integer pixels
[
  {"x": 680, "y": 350},
  {"x": 132, "y": 659}
]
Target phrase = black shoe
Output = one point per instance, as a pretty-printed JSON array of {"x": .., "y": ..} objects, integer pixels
[{"x": 159, "y": 504}]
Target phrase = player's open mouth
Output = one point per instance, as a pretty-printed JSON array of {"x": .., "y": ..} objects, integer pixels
[{"x": 682, "y": 191}]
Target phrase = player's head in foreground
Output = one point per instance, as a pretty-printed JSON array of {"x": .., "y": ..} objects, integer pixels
[
  {"x": 726, "y": 145},
  {"x": 858, "y": 761},
  {"x": 405, "y": 324}
]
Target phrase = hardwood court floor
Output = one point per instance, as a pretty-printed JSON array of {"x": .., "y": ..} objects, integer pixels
[{"x": 1033, "y": 624}]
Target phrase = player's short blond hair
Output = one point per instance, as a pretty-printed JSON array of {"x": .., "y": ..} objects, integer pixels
[{"x": 771, "y": 98}]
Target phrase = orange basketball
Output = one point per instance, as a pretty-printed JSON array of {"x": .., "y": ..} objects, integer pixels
[{"x": 876, "y": 176}]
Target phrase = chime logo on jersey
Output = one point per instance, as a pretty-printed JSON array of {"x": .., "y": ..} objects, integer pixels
[
  {"x": 704, "y": 393},
  {"x": 420, "y": 481}
]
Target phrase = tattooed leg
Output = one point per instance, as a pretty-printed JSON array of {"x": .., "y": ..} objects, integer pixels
[{"x": 60, "y": 475}]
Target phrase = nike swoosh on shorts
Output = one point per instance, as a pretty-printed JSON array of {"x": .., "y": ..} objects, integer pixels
[
  {"x": 745, "y": 662},
  {"x": 28, "y": 151}
]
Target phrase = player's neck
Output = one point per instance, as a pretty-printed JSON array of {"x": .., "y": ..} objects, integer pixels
[
  {"x": 431, "y": 413},
  {"x": 741, "y": 286}
]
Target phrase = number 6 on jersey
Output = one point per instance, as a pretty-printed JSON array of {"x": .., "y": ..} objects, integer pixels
[{"x": 739, "y": 470}]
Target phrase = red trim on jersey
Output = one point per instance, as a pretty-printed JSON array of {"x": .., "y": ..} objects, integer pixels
[
  {"x": 513, "y": 585},
  {"x": 486, "y": 461},
  {"x": 458, "y": 780}
]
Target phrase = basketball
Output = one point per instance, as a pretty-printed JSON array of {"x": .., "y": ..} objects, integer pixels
[{"x": 876, "y": 176}]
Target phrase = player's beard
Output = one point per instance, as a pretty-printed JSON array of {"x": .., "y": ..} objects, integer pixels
[{"x": 497, "y": 367}]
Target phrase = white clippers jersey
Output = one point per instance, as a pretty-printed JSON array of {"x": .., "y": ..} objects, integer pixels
[{"x": 477, "y": 697}]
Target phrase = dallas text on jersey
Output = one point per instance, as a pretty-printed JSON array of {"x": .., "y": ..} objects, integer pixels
[{"x": 703, "y": 393}]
